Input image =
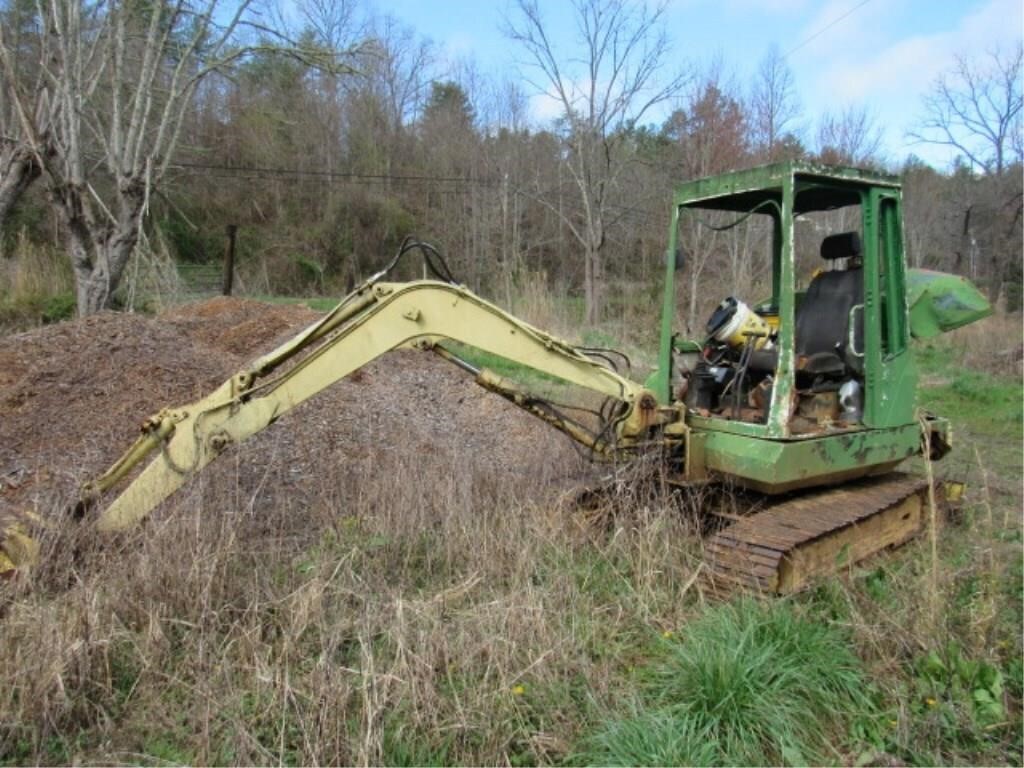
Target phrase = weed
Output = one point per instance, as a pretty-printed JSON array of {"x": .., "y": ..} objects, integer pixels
[
  {"x": 755, "y": 681},
  {"x": 59, "y": 307},
  {"x": 976, "y": 686},
  {"x": 653, "y": 737}
]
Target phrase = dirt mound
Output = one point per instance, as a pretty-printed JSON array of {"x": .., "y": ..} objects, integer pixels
[
  {"x": 239, "y": 326},
  {"x": 73, "y": 395}
]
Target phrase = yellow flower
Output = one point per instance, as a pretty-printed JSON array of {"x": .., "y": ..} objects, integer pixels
[
  {"x": 518, "y": 690},
  {"x": 930, "y": 702},
  {"x": 894, "y": 723},
  {"x": 667, "y": 634}
]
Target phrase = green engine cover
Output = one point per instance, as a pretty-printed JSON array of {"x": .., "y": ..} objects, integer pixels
[{"x": 940, "y": 302}]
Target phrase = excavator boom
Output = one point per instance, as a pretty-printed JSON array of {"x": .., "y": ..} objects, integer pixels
[{"x": 377, "y": 317}]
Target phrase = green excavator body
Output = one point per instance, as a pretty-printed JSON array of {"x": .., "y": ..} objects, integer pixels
[{"x": 825, "y": 391}]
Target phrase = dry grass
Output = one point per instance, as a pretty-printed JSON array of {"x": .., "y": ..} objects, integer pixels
[
  {"x": 533, "y": 300},
  {"x": 993, "y": 345},
  {"x": 33, "y": 270},
  {"x": 396, "y": 618},
  {"x": 400, "y": 613},
  {"x": 35, "y": 281}
]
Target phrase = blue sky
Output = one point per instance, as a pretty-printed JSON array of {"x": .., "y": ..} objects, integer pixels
[{"x": 883, "y": 55}]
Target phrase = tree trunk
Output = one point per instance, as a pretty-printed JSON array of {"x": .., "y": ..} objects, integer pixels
[
  {"x": 19, "y": 169},
  {"x": 98, "y": 270},
  {"x": 99, "y": 251},
  {"x": 589, "y": 286},
  {"x": 594, "y": 272}
]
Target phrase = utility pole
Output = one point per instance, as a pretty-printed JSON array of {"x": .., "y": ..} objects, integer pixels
[{"x": 229, "y": 260}]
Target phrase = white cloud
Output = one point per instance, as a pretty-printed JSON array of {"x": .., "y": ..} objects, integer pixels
[
  {"x": 911, "y": 64},
  {"x": 891, "y": 79},
  {"x": 840, "y": 28},
  {"x": 544, "y": 108}
]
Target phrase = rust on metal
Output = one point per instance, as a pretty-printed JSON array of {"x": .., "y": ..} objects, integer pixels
[{"x": 767, "y": 550}]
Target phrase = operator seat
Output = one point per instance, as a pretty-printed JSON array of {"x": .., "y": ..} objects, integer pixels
[{"x": 823, "y": 316}]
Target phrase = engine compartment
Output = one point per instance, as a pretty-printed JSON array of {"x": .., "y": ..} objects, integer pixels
[{"x": 731, "y": 374}]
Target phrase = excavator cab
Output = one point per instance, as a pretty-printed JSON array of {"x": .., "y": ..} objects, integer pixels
[{"x": 815, "y": 383}]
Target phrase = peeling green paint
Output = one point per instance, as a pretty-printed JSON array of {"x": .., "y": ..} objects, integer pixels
[
  {"x": 940, "y": 303},
  {"x": 776, "y": 466}
]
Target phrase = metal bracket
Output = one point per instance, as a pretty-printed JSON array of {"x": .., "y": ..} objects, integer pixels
[{"x": 852, "y": 333}]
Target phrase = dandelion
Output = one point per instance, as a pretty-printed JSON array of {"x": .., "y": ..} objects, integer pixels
[
  {"x": 518, "y": 690},
  {"x": 930, "y": 702},
  {"x": 894, "y": 723},
  {"x": 667, "y": 634}
]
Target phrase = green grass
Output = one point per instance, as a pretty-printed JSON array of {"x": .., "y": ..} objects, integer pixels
[
  {"x": 28, "y": 311},
  {"x": 989, "y": 404},
  {"x": 748, "y": 683},
  {"x": 316, "y": 303},
  {"x": 653, "y": 737},
  {"x": 982, "y": 402},
  {"x": 523, "y": 374}
]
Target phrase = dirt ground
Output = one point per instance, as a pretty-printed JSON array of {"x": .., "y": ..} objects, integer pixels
[{"x": 73, "y": 395}]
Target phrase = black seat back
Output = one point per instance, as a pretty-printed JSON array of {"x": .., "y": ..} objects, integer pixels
[{"x": 823, "y": 317}]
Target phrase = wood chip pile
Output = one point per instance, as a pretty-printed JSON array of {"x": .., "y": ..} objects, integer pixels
[{"x": 72, "y": 397}]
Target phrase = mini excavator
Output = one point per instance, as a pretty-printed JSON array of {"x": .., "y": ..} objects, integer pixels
[{"x": 806, "y": 399}]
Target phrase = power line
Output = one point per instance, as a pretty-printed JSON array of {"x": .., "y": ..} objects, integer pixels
[
  {"x": 255, "y": 170},
  {"x": 223, "y": 170},
  {"x": 825, "y": 29}
]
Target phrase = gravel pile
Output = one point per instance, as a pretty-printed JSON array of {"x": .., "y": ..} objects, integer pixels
[{"x": 72, "y": 397}]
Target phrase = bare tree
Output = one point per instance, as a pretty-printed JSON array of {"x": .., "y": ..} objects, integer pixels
[
  {"x": 975, "y": 107},
  {"x": 19, "y": 166},
  {"x": 773, "y": 105},
  {"x": 709, "y": 131},
  {"x": 130, "y": 97},
  {"x": 613, "y": 83},
  {"x": 397, "y": 66},
  {"x": 850, "y": 136},
  {"x": 403, "y": 64},
  {"x": 122, "y": 75},
  {"x": 710, "y": 127}
]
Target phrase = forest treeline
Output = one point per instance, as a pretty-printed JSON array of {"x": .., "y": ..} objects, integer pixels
[{"x": 330, "y": 136}]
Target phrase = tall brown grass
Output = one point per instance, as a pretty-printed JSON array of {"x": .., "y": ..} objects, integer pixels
[
  {"x": 389, "y": 614},
  {"x": 993, "y": 345},
  {"x": 30, "y": 276}
]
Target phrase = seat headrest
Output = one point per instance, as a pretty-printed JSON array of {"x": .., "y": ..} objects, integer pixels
[{"x": 841, "y": 246}]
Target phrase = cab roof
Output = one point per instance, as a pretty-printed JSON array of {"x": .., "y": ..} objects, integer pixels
[{"x": 819, "y": 187}]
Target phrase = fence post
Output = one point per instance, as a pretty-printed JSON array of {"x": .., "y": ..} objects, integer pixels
[{"x": 229, "y": 260}]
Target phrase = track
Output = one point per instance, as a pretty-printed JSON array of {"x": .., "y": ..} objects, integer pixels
[{"x": 784, "y": 548}]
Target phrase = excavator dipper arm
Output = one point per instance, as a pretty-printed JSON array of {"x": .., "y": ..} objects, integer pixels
[{"x": 374, "y": 319}]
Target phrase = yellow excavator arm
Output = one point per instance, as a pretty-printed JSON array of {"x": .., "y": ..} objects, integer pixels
[{"x": 373, "y": 319}]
